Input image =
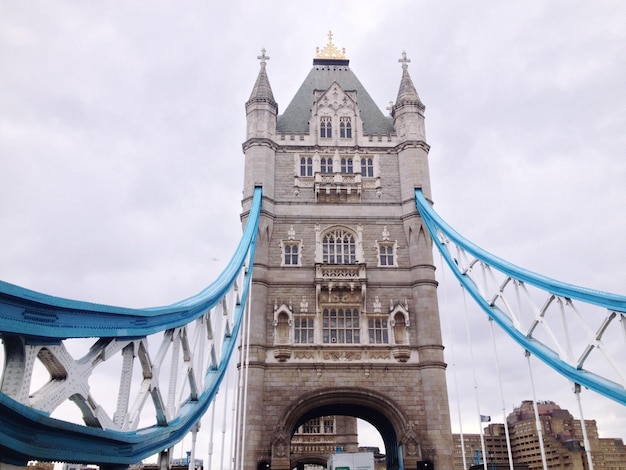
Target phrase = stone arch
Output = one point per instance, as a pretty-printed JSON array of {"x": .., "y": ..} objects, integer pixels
[
  {"x": 380, "y": 411},
  {"x": 344, "y": 236}
]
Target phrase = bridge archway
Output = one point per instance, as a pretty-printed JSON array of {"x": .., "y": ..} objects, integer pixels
[{"x": 381, "y": 412}]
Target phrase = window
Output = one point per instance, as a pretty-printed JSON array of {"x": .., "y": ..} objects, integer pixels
[
  {"x": 312, "y": 426},
  {"x": 385, "y": 254},
  {"x": 378, "y": 331},
  {"x": 306, "y": 166},
  {"x": 345, "y": 128},
  {"x": 304, "y": 328},
  {"x": 291, "y": 250},
  {"x": 338, "y": 247},
  {"x": 325, "y": 425},
  {"x": 340, "y": 325},
  {"x": 326, "y": 165},
  {"x": 329, "y": 424},
  {"x": 326, "y": 128},
  {"x": 367, "y": 167},
  {"x": 291, "y": 254},
  {"x": 346, "y": 165}
]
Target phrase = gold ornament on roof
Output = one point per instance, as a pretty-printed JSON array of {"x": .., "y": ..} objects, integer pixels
[{"x": 330, "y": 51}]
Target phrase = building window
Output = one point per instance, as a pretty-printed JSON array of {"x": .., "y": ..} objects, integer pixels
[
  {"x": 326, "y": 165},
  {"x": 378, "y": 331},
  {"x": 306, "y": 166},
  {"x": 346, "y": 165},
  {"x": 367, "y": 167},
  {"x": 304, "y": 328},
  {"x": 345, "y": 128},
  {"x": 326, "y": 128},
  {"x": 386, "y": 254},
  {"x": 338, "y": 247},
  {"x": 325, "y": 425},
  {"x": 291, "y": 255},
  {"x": 312, "y": 426},
  {"x": 291, "y": 250},
  {"x": 340, "y": 325},
  {"x": 329, "y": 424}
]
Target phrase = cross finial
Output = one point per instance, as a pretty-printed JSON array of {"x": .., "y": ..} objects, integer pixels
[
  {"x": 330, "y": 51},
  {"x": 404, "y": 61},
  {"x": 263, "y": 58}
]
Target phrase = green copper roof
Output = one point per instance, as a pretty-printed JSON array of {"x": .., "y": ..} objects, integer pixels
[{"x": 296, "y": 117}]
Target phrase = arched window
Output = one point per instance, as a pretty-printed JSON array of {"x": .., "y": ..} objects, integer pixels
[
  {"x": 326, "y": 165},
  {"x": 346, "y": 165},
  {"x": 385, "y": 254},
  {"x": 338, "y": 247},
  {"x": 291, "y": 254},
  {"x": 306, "y": 166},
  {"x": 326, "y": 128},
  {"x": 345, "y": 128}
]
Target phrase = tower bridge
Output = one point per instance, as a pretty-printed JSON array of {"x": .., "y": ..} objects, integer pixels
[{"x": 328, "y": 309}]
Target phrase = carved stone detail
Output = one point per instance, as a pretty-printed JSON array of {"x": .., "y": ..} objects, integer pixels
[{"x": 341, "y": 355}]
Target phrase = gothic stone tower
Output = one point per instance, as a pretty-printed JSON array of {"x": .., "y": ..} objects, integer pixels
[{"x": 344, "y": 308}]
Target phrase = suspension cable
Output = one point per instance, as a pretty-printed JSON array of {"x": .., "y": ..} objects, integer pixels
[
  {"x": 233, "y": 420},
  {"x": 536, "y": 408},
  {"x": 583, "y": 426},
  {"x": 469, "y": 339},
  {"x": 226, "y": 385},
  {"x": 452, "y": 356},
  {"x": 506, "y": 426},
  {"x": 211, "y": 429},
  {"x": 245, "y": 385}
]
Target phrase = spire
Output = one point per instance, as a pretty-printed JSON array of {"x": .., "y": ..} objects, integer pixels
[
  {"x": 262, "y": 91},
  {"x": 407, "y": 92}
]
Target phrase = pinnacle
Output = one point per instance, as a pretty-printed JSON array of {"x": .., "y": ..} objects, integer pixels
[
  {"x": 262, "y": 89},
  {"x": 407, "y": 91}
]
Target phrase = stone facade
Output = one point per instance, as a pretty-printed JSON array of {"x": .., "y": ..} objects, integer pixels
[{"x": 344, "y": 308}]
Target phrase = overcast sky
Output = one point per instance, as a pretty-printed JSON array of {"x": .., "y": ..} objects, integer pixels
[{"x": 121, "y": 126}]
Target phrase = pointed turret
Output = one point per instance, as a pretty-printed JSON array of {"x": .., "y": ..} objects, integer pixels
[
  {"x": 261, "y": 108},
  {"x": 407, "y": 92},
  {"x": 408, "y": 111},
  {"x": 262, "y": 90}
]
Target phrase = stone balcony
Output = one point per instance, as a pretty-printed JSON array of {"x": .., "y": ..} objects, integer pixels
[
  {"x": 341, "y": 275},
  {"x": 338, "y": 186}
]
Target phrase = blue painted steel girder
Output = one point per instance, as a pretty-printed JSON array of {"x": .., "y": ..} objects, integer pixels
[
  {"x": 27, "y": 433},
  {"x": 611, "y": 302}
]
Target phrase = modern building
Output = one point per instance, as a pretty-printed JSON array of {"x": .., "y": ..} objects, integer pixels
[
  {"x": 563, "y": 442},
  {"x": 344, "y": 310}
]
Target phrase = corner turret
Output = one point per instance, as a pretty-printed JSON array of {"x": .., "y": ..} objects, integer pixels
[
  {"x": 408, "y": 111},
  {"x": 261, "y": 108}
]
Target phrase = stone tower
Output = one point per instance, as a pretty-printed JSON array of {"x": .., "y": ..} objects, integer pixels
[{"x": 344, "y": 310}]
